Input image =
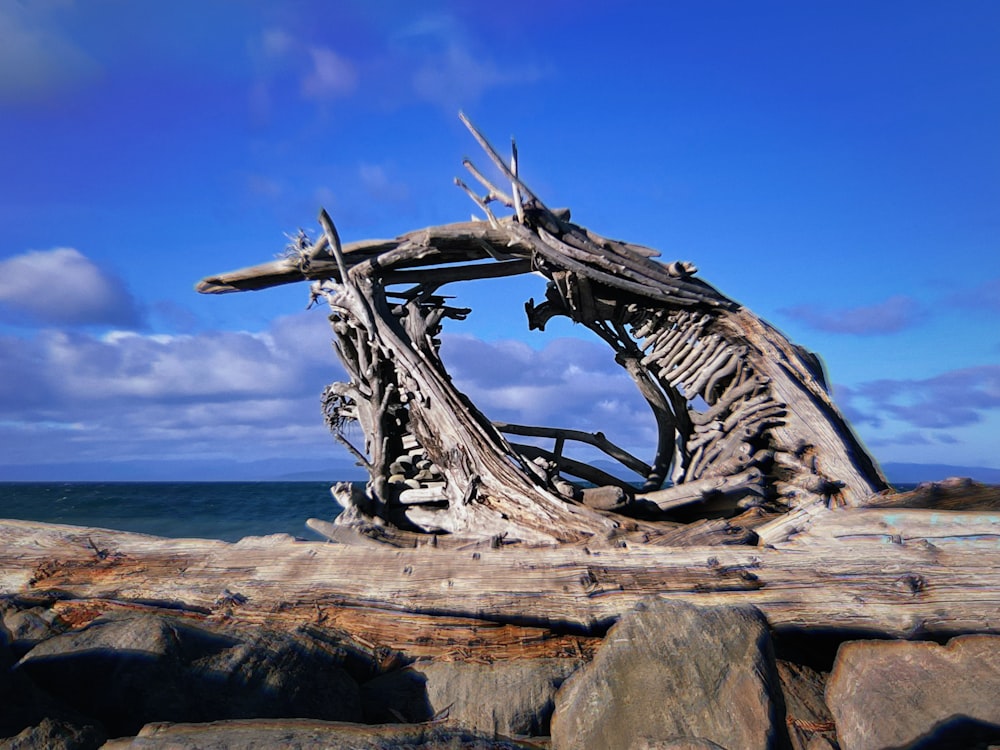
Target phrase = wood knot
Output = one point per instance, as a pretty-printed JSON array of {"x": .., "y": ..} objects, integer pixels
[
  {"x": 912, "y": 582},
  {"x": 230, "y": 598}
]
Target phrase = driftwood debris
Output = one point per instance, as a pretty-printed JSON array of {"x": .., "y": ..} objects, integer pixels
[{"x": 743, "y": 416}]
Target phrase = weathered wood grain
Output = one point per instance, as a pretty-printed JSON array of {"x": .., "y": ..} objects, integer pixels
[
  {"x": 728, "y": 392},
  {"x": 913, "y": 582}
]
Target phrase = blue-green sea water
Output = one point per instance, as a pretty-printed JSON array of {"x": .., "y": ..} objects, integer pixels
[{"x": 210, "y": 510}]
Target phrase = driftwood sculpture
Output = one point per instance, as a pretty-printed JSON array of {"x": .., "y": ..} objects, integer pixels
[
  {"x": 756, "y": 494},
  {"x": 746, "y": 427}
]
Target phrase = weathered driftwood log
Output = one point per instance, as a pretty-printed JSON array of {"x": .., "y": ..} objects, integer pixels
[
  {"x": 732, "y": 398},
  {"x": 891, "y": 571}
]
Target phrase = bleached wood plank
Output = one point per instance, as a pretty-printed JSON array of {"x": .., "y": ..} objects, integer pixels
[{"x": 896, "y": 589}]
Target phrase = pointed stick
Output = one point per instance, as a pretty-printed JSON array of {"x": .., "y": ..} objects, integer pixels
[
  {"x": 518, "y": 207},
  {"x": 498, "y": 161},
  {"x": 479, "y": 202},
  {"x": 333, "y": 239},
  {"x": 495, "y": 193}
]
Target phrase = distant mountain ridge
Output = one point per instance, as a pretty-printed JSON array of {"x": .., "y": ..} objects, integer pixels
[
  {"x": 897, "y": 473},
  {"x": 903, "y": 473},
  {"x": 333, "y": 470},
  {"x": 266, "y": 470}
]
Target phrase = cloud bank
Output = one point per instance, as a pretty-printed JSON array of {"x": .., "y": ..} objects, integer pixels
[
  {"x": 63, "y": 287},
  {"x": 125, "y": 395},
  {"x": 570, "y": 383},
  {"x": 957, "y": 398}
]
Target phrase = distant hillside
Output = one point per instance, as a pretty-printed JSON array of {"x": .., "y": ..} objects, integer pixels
[
  {"x": 334, "y": 470},
  {"x": 899, "y": 473},
  {"x": 266, "y": 470}
]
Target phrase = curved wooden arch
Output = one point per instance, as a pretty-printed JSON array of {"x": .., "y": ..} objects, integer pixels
[{"x": 743, "y": 416}]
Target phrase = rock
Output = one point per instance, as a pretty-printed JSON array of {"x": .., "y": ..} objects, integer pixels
[
  {"x": 6, "y": 655},
  {"x": 508, "y": 698},
  {"x": 397, "y": 697},
  {"x": 681, "y": 743},
  {"x": 604, "y": 498},
  {"x": 133, "y": 670},
  {"x": 807, "y": 717},
  {"x": 29, "y": 718},
  {"x": 30, "y": 626},
  {"x": 56, "y": 734},
  {"x": 307, "y": 734},
  {"x": 670, "y": 671},
  {"x": 916, "y": 694}
]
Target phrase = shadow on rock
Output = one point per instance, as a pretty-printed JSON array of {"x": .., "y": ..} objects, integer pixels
[{"x": 129, "y": 671}]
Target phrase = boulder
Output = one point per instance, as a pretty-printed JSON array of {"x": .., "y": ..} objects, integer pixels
[
  {"x": 29, "y": 718},
  {"x": 6, "y": 655},
  {"x": 681, "y": 743},
  {"x": 507, "y": 697},
  {"x": 917, "y": 694},
  {"x": 30, "y": 625},
  {"x": 56, "y": 734},
  {"x": 671, "y": 671},
  {"x": 307, "y": 734},
  {"x": 132, "y": 670}
]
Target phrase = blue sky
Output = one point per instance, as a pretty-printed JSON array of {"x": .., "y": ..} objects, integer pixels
[{"x": 834, "y": 166}]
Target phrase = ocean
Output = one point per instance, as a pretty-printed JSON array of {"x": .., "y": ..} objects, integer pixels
[{"x": 209, "y": 510}]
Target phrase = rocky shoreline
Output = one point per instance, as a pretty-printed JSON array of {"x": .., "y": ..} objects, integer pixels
[
  {"x": 667, "y": 675},
  {"x": 850, "y": 629}
]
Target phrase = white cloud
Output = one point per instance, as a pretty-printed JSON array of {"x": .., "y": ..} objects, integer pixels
[
  {"x": 125, "y": 394},
  {"x": 36, "y": 61},
  {"x": 570, "y": 383},
  {"x": 449, "y": 67},
  {"x": 256, "y": 394},
  {"x": 330, "y": 75},
  {"x": 283, "y": 62},
  {"x": 64, "y": 287},
  {"x": 457, "y": 78}
]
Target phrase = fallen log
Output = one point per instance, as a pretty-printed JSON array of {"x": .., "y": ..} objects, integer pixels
[{"x": 915, "y": 583}]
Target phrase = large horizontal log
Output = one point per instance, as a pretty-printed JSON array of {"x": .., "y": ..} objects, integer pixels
[{"x": 848, "y": 581}]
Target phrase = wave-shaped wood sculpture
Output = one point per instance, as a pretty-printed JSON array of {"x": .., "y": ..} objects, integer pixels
[{"x": 746, "y": 427}]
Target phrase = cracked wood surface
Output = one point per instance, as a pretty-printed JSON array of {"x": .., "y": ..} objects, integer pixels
[{"x": 900, "y": 573}]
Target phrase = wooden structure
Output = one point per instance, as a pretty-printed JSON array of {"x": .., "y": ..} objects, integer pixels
[
  {"x": 467, "y": 545},
  {"x": 744, "y": 420}
]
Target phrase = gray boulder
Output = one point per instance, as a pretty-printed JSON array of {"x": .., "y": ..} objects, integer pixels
[
  {"x": 129, "y": 671},
  {"x": 669, "y": 672},
  {"x": 6, "y": 658},
  {"x": 508, "y": 698},
  {"x": 917, "y": 694},
  {"x": 30, "y": 625},
  {"x": 29, "y": 718},
  {"x": 306, "y": 734},
  {"x": 55, "y": 734},
  {"x": 681, "y": 743}
]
